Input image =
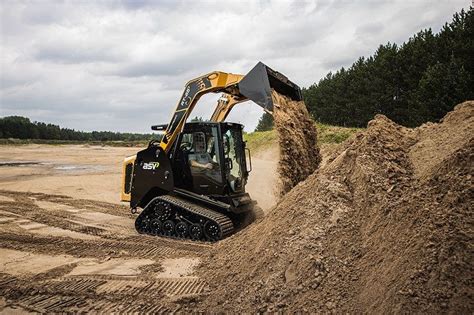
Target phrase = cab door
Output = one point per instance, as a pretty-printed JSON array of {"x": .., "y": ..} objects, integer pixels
[{"x": 201, "y": 161}]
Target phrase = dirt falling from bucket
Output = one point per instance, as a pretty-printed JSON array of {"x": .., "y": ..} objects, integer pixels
[{"x": 297, "y": 138}]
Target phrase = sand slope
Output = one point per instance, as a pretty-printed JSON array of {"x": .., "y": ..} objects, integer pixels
[{"x": 385, "y": 226}]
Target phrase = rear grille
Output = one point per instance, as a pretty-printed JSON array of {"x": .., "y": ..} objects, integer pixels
[{"x": 128, "y": 177}]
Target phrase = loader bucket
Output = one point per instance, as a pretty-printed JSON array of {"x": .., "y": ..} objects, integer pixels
[{"x": 257, "y": 86}]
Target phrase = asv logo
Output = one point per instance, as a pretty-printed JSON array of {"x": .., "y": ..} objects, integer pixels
[
  {"x": 184, "y": 100},
  {"x": 151, "y": 166}
]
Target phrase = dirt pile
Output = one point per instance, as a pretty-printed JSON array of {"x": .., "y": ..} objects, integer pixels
[
  {"x": 386, "y": 225},
  {"x": 297, "y": 139}
]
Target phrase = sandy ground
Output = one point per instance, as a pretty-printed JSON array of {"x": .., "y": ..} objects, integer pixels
[
  {"x": 78, "y": 171},
  {"x": 93, "y": 172},
  {"x": 68, "y": 243}
]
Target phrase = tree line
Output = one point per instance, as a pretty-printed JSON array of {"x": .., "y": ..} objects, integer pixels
[
  {"x": 265, "y": 122},
  {"x": 412, "y": 83},
  {"x": 22, "y": 128},
  {"x": 418, "y": 81}
]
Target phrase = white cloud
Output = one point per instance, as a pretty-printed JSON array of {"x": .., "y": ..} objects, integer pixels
[{"x": 121, "y": 65}]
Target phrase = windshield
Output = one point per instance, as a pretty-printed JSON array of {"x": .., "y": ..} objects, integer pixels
[
  {"x": 234, "y": 157},
  {"x": 202, "y": 157}
]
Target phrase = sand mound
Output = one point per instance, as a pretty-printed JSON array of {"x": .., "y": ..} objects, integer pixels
[
  {"x": 436, "y": 142},
  {"x": 297, "y": 139},
  {"x": 381, "y": 227}
]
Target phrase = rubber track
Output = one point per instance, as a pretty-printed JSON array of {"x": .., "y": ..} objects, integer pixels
[{"x": 224, "y": 222}]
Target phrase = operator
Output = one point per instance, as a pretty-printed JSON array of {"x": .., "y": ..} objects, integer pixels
[{"x": 201, "y": 158}]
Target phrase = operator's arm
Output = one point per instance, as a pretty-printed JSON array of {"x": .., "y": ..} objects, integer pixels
[{"x": 201, "y": 161}]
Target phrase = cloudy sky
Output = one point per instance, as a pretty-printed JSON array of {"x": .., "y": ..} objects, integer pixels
[{"x": 121, "y": 65}]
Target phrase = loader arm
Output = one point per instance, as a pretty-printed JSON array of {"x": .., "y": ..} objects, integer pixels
[
  {"x": 194, "y": 89},
  {"x": 257, "y": 86},
  {"x": 224, "y": 105}
]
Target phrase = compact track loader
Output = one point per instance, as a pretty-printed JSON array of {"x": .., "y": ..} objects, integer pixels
[{"x": 191, "y": 184}]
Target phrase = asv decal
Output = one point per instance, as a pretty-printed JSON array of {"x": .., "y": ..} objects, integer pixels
[
  {"x": 151, "y": 166},
  {"x": 185, "y": 100}
]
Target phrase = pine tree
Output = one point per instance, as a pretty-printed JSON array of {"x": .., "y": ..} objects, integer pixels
[
  {"x": 442, "y": 86},
  {"x": 265, "y": 122}
]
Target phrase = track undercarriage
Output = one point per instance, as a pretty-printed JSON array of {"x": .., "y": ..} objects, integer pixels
[{"x": 176, "y": 217}]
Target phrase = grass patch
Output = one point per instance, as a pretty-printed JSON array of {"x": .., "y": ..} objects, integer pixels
[
  {"x": 260, "y": 140},
  {"x": 327, "y": 134}
]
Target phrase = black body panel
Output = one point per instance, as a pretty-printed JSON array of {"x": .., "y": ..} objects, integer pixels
[
  {"x": 202, "y": 199},
  {"x": 153, "y": 176},
  {"x": 211, "y": 179}
]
